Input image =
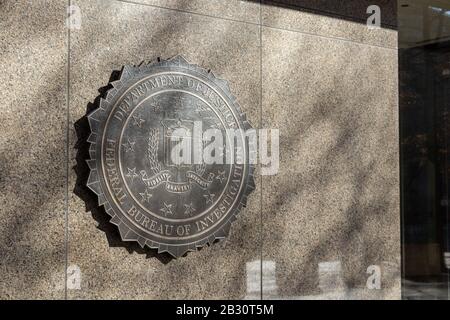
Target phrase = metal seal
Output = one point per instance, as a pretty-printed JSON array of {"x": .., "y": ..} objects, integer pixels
[{"x": 153, "y": 109}]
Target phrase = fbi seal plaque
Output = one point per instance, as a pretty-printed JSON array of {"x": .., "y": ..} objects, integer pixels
[{"x": 150, "y": 140}]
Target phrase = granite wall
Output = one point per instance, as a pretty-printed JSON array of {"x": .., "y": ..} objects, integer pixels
[{"x": 315, "y": 71}]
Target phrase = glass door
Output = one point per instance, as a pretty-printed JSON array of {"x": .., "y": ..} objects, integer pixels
[{"x": 424, "y": 78}]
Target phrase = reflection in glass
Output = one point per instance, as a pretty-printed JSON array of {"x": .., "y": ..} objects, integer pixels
[{"x": 424, "y": 76}]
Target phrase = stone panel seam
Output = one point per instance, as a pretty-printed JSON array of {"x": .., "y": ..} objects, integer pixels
[{"x": 255, "y": 24}]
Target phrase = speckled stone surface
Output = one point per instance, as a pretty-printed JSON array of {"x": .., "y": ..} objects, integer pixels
[
  {"x": 328, "y": 84},
  {"x": 336, "y": 196},
  {"x": 327, "y": 25},
  {"x": 33, "y": 59},
  {"x": 247, "y": 11},
  {"x": 112, "y": 35},
  {"x": 351, "y": 10}
]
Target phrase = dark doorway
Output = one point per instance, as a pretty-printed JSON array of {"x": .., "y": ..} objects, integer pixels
[{"x": 424, "y": 77}]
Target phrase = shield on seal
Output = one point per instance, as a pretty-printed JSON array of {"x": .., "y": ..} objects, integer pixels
[{"x": 178, "y": 133}]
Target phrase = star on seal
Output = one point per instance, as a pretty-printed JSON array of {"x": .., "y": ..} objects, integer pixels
[
  {"x": 129, "y": 146},
  {"x": 146, "y": 196},
  {"x": 166, "y": 209},
  {"x": 138, "y": 121},
  {"x": 132, "y": 174},
  {"x": 220, "y": 176},
  {"x": 189, "y": 209},
  {"x": 209, "y": 197}
]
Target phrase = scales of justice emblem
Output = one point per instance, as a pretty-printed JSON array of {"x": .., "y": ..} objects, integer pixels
[
  {"x": 146, "y": 138},
  {"x": 175, "y": 132}
]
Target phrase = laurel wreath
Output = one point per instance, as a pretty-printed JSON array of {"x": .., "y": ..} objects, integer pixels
[
  {"x": 152, "y": 151},
  {"x": 201, "y": 167}
]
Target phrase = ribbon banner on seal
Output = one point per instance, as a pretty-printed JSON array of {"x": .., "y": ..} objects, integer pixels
[{"x": 176, "y": 187}]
